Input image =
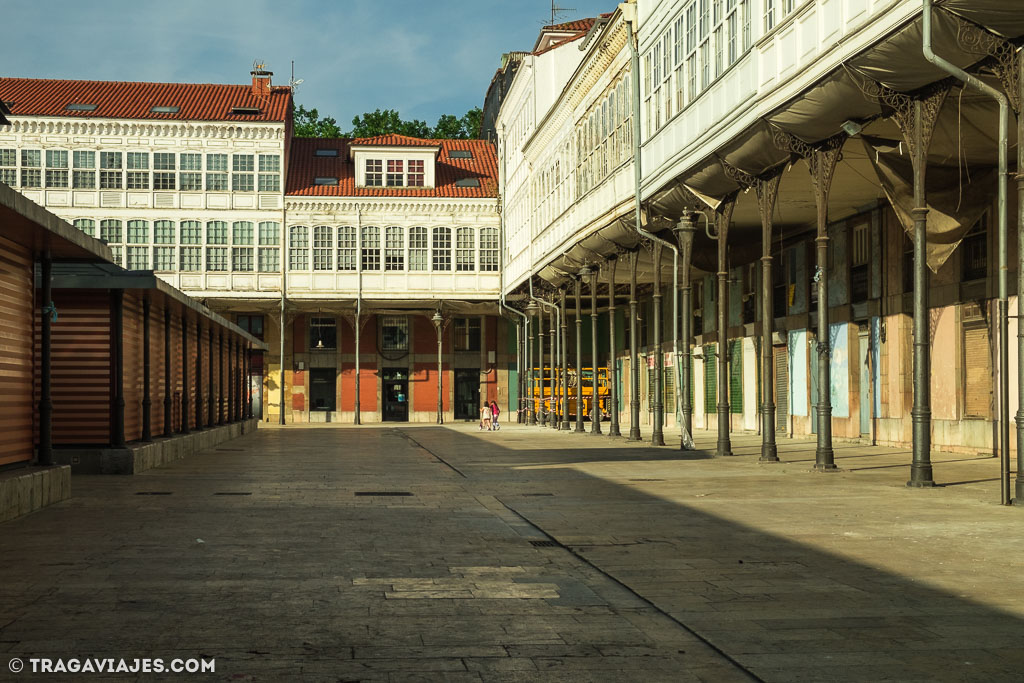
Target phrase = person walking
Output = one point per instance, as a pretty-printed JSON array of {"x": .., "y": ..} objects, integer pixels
[
  {"x": 495, "y": 411},
  {"x": 485, "y": 417}
]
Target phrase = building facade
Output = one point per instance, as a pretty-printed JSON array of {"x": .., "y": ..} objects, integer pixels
[
  {"x": 300, "y": 242},
  {"x": 736, "y": 103}
]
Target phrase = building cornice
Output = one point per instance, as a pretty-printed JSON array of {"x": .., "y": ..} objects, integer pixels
[
  {"x": 599, "y": 58},
  {"x": 414, "y": 205},
  {"x": 42, "y": 125}
]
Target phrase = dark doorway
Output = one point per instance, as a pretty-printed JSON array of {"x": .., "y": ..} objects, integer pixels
[
  {"x": 467, "y": 394},
  {"x": 322, "y": 393},
  {"x": 395, "y": 390}
]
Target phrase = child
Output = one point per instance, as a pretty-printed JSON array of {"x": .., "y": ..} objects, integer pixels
[
  {"x": 485, "y": 417},
  {"x": 494, "y": 416}
]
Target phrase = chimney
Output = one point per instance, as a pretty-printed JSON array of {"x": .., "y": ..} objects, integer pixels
[{"x": 261, "y": 82}]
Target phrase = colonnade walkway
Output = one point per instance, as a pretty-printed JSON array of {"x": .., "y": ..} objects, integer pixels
[{"x": 442, "y": 553}]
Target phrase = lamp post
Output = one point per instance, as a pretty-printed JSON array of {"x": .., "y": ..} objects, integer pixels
[
  {"x": 531, "y": 382},
  {"x": 438, "y": 325}
]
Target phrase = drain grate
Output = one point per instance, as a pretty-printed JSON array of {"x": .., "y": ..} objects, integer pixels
[
  {"x": 383, "y": 493},
  {"x": 545, "y": 544},
  {"x": 233, "y": 493},
  {"x": 153, "y": 493}
]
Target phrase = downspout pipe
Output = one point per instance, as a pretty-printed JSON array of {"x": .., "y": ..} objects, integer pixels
[
  {"x": 501, "y": 268},
  {"x": 629, "y": 11},
  {"x": 1003, "y": 386}
]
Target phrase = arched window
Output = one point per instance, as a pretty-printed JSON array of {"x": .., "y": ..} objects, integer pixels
[
  {"x": 298, "y": 247},
  {"x": 489, "y": 250},
  {"x": 394, "y": 248},
  {"x": 163, "y": 232},
  {"x": 86, "y": 225},
  {"x": 138, "y": 232},
  {"x": 465, "y": 250},
  {"x": 217, "y": 232},
  {"x": 442, "y": 239},
  {"x": 268, "y": 255},
  {"x": 241, "y": 233},
  {"x": 323, "y": 247},
  {"x": 190, "y": 258},
  {"x": 371, "y": 248},
  {"x": 111, "y": 233},
  {"x": 347, "y": 248},
  {"x": 418, "y": 244}
]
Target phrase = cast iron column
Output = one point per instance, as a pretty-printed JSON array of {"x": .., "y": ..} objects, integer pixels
[
  {"x": 767, "y": 191},
  {"x": 45, "y": 455},
  {"x": 438, "y": 321},
  {"x": 722, "y": 218},
  {"x": 553, "y": 385},
  {"x": 613, "y": 376},
  {"x": 168, "y": 402},
  {"x": 595, "y": 405},
  {"x": 921, "y": 413},
  {"x": 579, "y": 356},
  {"x": 634, "y": 355},
  {"x": 147, "y": 403},
  {"x": 657, "y": 432},
  {"x": 685, "y": 229},
  {"x": 565, "y": 361},
  {"x": 117, "y": 311},
  {"x": 229, "y": 410},
  {"x": 542, "y": 417},
  {"x": 531, "y": 359}
]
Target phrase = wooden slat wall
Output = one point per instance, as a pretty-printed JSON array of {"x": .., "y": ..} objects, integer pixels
[
  {"x": 977, "y": 372},
  {"x": 16, "y": 353},
  {"x": 156, "y": 356},
  {"x": 133, "y": 370},
  {"x": 176, "y": 372},
  {"x": 192, "y": 393},
  {"x": 204, "y": 383},
  {"x": 81, "y": 367}
]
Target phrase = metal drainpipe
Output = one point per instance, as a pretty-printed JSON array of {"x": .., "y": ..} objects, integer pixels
[
  {"x": 552, "y": 383},
  {"x": 613, "y": 377},
  {"x": 635, "y": 67},
  {"x": 501, "y": 275},
  {"x": 1003, "y": 305},
  {"x": 1020, "y": 285},
  {"x": 634, "y": 356},
  {"x": 356, "y": 419}
]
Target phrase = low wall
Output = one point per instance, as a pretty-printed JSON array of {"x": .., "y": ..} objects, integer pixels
[
  {"x": 28, "y": 489},
  {"x": 139, "y": 457}
]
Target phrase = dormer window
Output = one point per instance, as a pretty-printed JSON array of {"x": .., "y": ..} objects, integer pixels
[
  {"x": 415, "y": 177},
  {"x": 374, "y": 172},
  {"x": 395, "y": 174}
]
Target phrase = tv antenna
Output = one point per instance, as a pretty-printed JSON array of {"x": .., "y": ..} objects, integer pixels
[
  {"x": 294, "y": 84},
  {"x": 558, "y": 12}
]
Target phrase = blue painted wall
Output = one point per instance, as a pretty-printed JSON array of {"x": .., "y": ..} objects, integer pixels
[
  {"x": 839, "y": 272},
  {"x": 840, "y": 369},
  {"x": 798, "y": 372}
]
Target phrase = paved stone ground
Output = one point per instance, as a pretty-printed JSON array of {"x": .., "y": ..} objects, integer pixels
[{"x": 653, "y": 565}]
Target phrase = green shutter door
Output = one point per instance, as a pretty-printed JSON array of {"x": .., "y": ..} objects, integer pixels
[
  {"x": 736, "y": 376},
  {"x": 710, "y": 380}
]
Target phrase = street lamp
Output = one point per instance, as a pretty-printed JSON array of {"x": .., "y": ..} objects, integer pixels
[
  {"x": 531, "y": 408},
  {"x": 438, "y": 323}
]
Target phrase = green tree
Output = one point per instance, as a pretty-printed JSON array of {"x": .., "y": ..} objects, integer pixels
[
  {"x": 387, "y": 122},
  {"x": 448, "y": 127},
  {"x": 471, "y": 123},
  {"x": 308, "y": 124}
]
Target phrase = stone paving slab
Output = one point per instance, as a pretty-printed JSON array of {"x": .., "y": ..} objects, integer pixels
[{"x": 280, "y": 557}]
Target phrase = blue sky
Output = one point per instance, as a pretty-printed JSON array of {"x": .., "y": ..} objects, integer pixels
[{"x": 424, "y": 58}]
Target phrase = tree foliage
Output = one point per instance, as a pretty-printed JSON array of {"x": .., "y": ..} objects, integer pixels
[{"x": 308, "y": 124}]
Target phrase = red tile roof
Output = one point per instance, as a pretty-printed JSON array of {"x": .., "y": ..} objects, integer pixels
[
  {"x": 577, "y": 25},
  {"x": 304, "y": 167},
  {"x": 393, "y": 140},
  {"x": 128, "y": 100}
]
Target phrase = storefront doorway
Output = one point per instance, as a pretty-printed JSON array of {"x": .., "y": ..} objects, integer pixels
[
  {"x": 322, "y": 393},
  {"x": 467, "y": 394},
  {"x": 395, "y": 393}
]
